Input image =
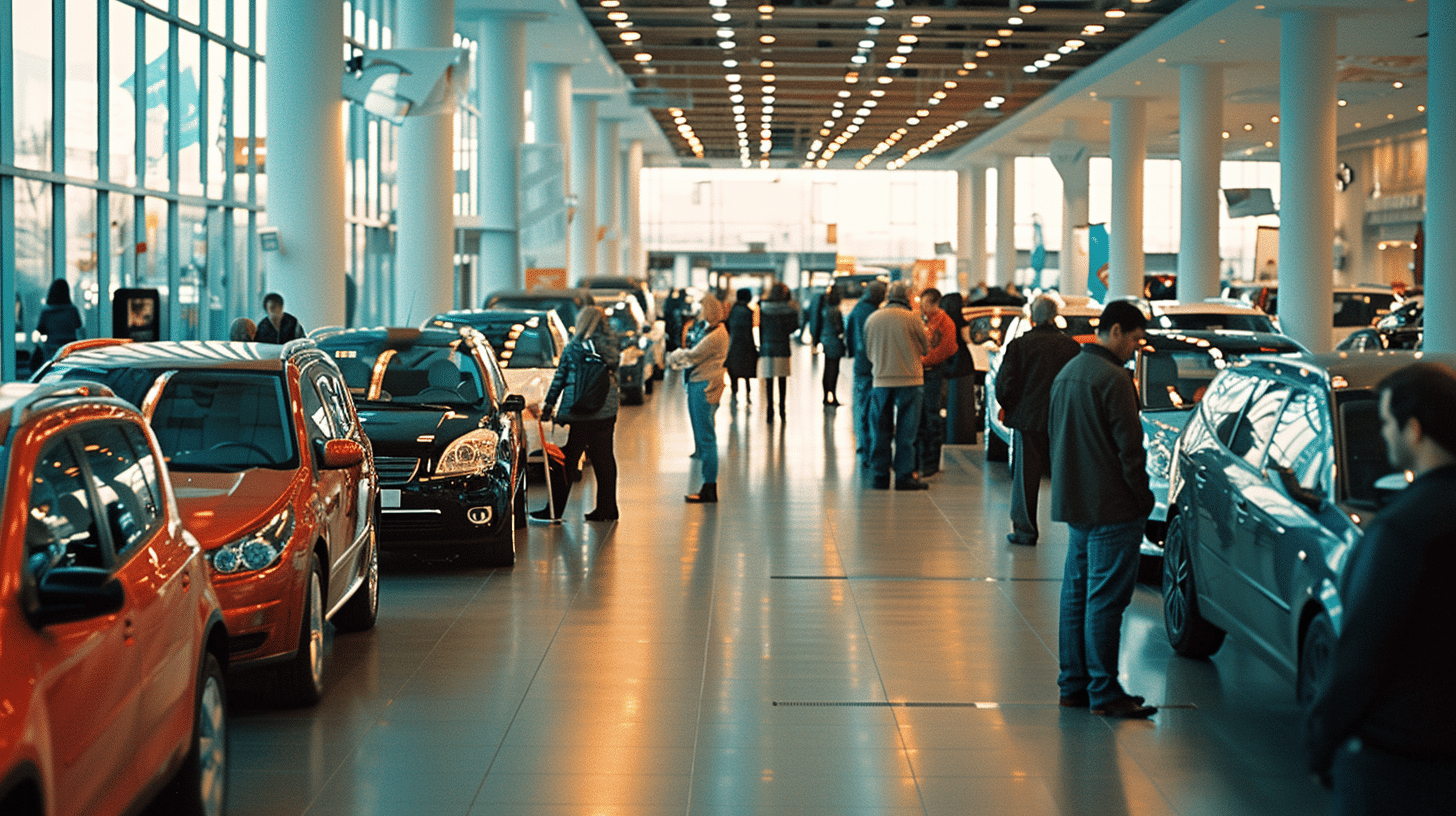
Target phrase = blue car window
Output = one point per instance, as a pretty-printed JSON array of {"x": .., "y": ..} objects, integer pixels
[
  {"x": 1223, "y": 403},
  {"x": 1256, "y": 426},
  {"x": 1302, "y": 443}
]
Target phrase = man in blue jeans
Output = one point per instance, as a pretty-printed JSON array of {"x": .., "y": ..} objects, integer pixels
[
  {"x": 895, "y": 340},
  {"x": 874, "y": 295},
  {"x": 1100, "y": 489}
]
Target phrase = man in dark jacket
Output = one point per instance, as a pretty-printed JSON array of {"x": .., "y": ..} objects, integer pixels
[
  {"x": 874, "y": 295},
  {"x": 277, "y": 326},
  {"x": 1383, "y": 722},
  {"x": 1024, "y": 389},
  {"x": 1100, "y": 489}
]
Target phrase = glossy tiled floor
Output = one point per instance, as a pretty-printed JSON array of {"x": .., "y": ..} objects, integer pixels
[{"x": 804, "y": 647}]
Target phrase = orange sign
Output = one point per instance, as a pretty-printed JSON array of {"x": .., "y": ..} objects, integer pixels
[
  {"x": 844, "y": 264},
  {"x": 831, "y": 233},
  {"x": 927, "y": 273},
  {"x": 545, "y": 278}
]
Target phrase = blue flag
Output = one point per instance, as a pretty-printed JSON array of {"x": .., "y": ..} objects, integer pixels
[
  {"x": 1097, "y": 254},
  {"x": 156, "y": 82}
]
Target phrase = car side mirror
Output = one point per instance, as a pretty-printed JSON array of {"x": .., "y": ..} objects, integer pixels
[
  {"x": 67, "y": 594},
  {"x": 1294, "y": 489},
  {"x": 513, "y": 403},
  {"x": 339, "y": 454}
]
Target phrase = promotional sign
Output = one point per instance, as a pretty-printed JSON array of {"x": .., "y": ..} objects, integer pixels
[
  {"x": 1097, "y": 254},
  {"x": 545, "y": 278}
]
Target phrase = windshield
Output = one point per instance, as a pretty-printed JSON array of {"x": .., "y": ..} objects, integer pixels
[
  {"x": 1204, "y": 321},
  {"x": 223, "y": 421},
  {"x": 1175, "y": 379},
  {"x": 438, "y": 375},
  {"x": 520, "y": 345}
]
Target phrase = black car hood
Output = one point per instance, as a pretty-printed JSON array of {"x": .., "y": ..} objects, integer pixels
[{"x": 396, "y": 429}]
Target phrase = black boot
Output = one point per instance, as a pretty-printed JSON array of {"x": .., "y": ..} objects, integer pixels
[{"x": 707, "y": 494}]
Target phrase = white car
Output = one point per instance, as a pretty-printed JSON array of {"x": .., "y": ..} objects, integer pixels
[
  {"x": 1355, "y": 307},
  {"x": 1212, "y": 314}
]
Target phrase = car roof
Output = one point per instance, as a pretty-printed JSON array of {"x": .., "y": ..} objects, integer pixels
[
  {"x": 393, "y": 336},
  {"x": 17, "y": 398},
  {"x": 1216, "y": 306},
  {"x": 181, "y": 354},
  {"x": 478, "y": 316},
  {"x": 579, "y": 295},
  {"x": 1346, "y": 370},
  {"x": 1227, "y": 340}
]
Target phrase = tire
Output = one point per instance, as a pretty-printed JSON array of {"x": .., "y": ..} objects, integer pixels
[
  {"x": 1188, "y": 633},
  {"x": 996, "y": 448},
  {"x": 303, "y": 675},
  {"x": 1316, "y": 649},
  {"x": 200, "y": 785},
  {"x": 359, "y": 613}
]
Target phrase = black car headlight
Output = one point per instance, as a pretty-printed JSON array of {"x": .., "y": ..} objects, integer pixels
[
  {"x": 258, "y": 550},
  {"x": 472, "y": 453}
]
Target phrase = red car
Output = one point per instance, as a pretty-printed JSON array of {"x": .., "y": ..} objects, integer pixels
[
  {"x": 274, "y": 477},
  {"x": 112, "y": 641}
]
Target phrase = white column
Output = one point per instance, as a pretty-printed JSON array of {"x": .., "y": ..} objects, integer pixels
[
  {"x": 500, "y": 80},
  {"x": 1440, "y": 275},
  {"x": 792, "y": 271},
  {"x": 970, "y": 227},
  {"x": 1125, "y": 236},
  {"x": 306, "y": 161},
  {"x": 1307, "y": 196},
  {"x": 551, "y": 121},
  {"x": 424, "y": 256},
  {"x": 583, "y": 179},
  {"x": 636, "y": 255},
  {"x": 1200, "y": 151},
  {"x": 682, "y": 270},
  {"x": 1005, "y": 222},
  {"x": 1072, "y": 159},
  {"x": 609, "y": 195}
]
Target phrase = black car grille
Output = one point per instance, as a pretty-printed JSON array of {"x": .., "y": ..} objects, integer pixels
[{"x": 396, "y": 469}]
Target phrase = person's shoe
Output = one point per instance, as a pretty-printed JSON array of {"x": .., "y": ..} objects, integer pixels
[
  {"x": 543, "y": 516},
  {"x": 707, "y": 494},
  {"x": 1079, "y": 699},
  {"x": 1025, "y": 542},
  {"x": 601, "y": 515},
  {"x": 881, "y": 484},
  {"x": 911, "y": 483},
  {"x": 770, "y": 417},
  {"x": 1126, "y": 708}
]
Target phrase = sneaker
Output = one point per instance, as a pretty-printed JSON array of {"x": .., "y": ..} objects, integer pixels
[{"x": 1126, "y": 708}]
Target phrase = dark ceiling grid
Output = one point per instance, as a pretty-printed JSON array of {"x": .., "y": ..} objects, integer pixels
[{"x": 969, "y": 50}]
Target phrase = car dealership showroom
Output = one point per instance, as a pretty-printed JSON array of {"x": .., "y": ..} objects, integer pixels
[{"x": 370, "y": 444}]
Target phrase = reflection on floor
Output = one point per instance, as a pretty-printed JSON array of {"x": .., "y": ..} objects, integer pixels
[{"x": 805, "y": 647}]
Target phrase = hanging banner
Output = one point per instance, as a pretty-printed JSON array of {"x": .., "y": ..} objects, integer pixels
[
  {"x": 157, "y": 98},
  {"x": 1097, "y": 255}
]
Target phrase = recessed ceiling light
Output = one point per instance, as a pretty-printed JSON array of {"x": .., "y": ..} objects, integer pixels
[
  {"x": 630, "y": 36},
  {"x": 876, "y": 21},
  {"x": 1115, "y": 13}
]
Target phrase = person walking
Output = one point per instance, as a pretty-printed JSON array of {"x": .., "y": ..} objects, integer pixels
[
  {"x": 1100, "y": 489},
  {"x": 1380, "y": 725},
  {"x": 591, "y": 432},
  {"x": 778, "y": 319},
  {"x": 60, "y": 321},
  {"x": 895, "y": 341},
  {"x": 859, "y": 398},
  {"x": 742, "y": 351},
  {"x": 831, "y": 338},
  {"x": 1029, "y": 365},
  {"x": 704, "y": 363},
  {"x": 940, "y": 331},
  {"x": 277, "y": 326}
]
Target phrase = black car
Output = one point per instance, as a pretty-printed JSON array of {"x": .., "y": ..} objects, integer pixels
[
  {"x": 1274, "y": 477},
  {"x": 637, "y": 368},
  {"x": 567, "y": 302},
  {"x": 448, "y": 440}
]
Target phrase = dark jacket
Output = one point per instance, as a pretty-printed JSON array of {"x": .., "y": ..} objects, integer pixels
[
  {"x": 742, "y": 353},
  {"x": 1389, "y": 680},
  {"x": 854, "y": 336},
  {"x": 1028, "y": 366},
  {"x": 830, "y": 331},
  {"x": 777, "y": 320},
  {"x": 563, "y": 385},
  {"x": 1099, "y": 466},
  {"x": 288, "y": 329},
  {"x": 61, "y": 323}
]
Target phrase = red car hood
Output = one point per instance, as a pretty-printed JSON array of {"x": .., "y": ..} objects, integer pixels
[{"x": 221, "y": 507}]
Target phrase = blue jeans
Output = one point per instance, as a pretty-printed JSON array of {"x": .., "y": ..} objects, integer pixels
[
  {"x": 895, "y": 416},
  {"x": 705, "y": 435},
  {"x": 863, "y": 432},
  {"x": 932, "y": 423},
  {"x": 1097, "y": 584}
]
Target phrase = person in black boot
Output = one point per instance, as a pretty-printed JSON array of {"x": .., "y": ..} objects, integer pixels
[
  {"x": 592, "y": 426},
  {"x": 707, "y": 494},
  {"x": 778, "y": 319}
]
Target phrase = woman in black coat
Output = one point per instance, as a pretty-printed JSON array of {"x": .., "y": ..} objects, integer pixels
[
  {"x": 831, "y": 338},
  {"x": 778, "y": 319},
  {"x": 60, "y": 321},
  {"x": 742, "y": 352}
]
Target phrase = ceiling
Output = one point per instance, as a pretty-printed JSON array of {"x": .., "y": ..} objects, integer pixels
[{"x": 815, "y": 42}]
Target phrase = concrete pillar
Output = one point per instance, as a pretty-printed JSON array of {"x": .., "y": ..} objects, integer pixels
[
  {"x": 1440, "y": 266},
  {"x": 1125, "y": 236},
  {"x": 551, "y": 122},
  {"x": 636, "y": 255},
  {"x": 1200, "y": 152},
  {"x": 1072, "y": 159},
  {"x": 583, "y": 179},
  {"x": 609, "y": 195},
  {"x": 1306, "y": 154},
  {"x": 306, "y": 161},
  {"x": 682, "y": 270},
  {"x": 424, "y": 256},
  {"x": 500, "y": 81},
  {"x": 792, "y": 271},
  {"x": 1005, "y": 270},
  {"x": 970, "y": 227}
]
